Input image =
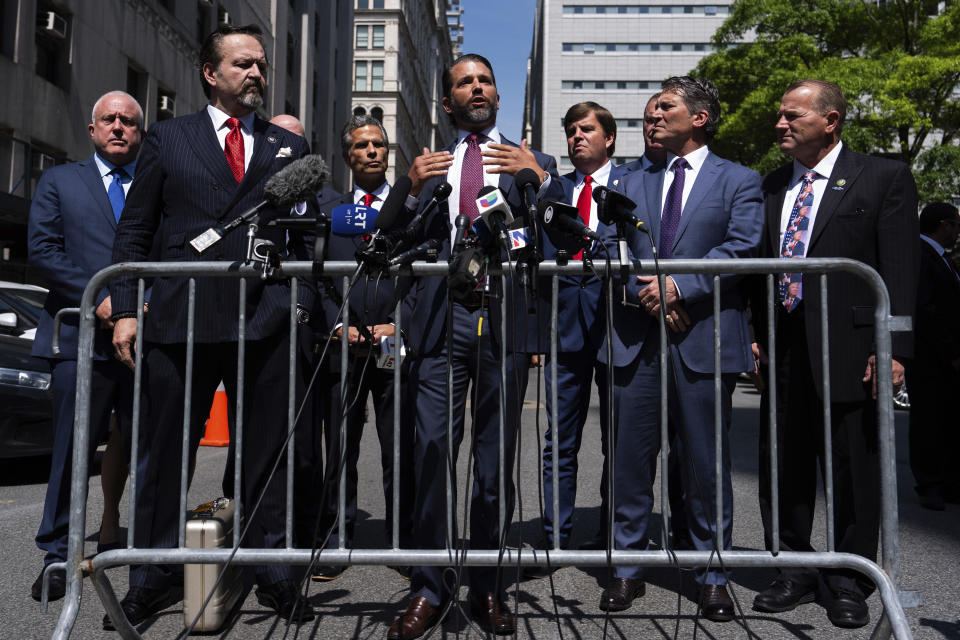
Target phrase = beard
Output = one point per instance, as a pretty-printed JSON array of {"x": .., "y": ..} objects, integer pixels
[
  {"x": 473, "y": 115},
  {"x": 251, "y": 96}
]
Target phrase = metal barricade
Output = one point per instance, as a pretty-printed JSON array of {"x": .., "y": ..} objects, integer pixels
[{"x": 893, "y": 619}]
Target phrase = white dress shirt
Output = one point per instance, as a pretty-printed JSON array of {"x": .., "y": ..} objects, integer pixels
[
  {"x": 600, "y": 177},
  {"x": 219, "y": 119},
  {"x": 824, "y": 168},
  {"x": 695, "y": 160},
  {"x": 379, "y": 195}
]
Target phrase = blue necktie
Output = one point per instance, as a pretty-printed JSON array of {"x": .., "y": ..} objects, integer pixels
[
  {"x": 115, "y": 192},
  {"x": 672, "y": 208}
]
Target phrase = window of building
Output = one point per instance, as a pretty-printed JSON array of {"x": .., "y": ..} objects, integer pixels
[
  {"x": 376, "y": 77},
  {"x": 637, "y": 9},
  {"x": 362, "y": 4},
  {"x": 291, "y": 54},
  {"x": 377, "y": 113},
  {"x": 607, "y": 85},
  {"x": 360, "y": 75},
  {"x": 359, "y": 111},
  {"x": 51, "y": 40},
  {"x": 166, "y": 104},
  {"x": 137, "y": 84},
  {"x": 203, "y": 21},
  {"x": 363, "y": 36},
  {"x": 8, "y": 28},
  {"x": 378, "y": 36},
  {"x": 590, "y": 48}
]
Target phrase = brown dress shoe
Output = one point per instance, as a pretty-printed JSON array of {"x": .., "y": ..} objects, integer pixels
[
  {"x": 492, "y": 614},
  {"x": 620, "y": 593},
  {"x": 715, "y": 603},
  {"x": 419, "y": 618}
]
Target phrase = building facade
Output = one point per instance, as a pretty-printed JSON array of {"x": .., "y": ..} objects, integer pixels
[
  {"x": 401, "y": 48},
  {"x": 615, "y": 53},
  {"x": 58, "y": 57}
]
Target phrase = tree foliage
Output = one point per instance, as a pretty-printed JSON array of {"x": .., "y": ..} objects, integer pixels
[{"x": 899, "y": 68}]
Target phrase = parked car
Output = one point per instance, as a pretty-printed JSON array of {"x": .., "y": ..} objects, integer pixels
[{"x": 26, "y": 423}]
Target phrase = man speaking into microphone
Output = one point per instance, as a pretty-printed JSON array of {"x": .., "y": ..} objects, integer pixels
[
  {"x": 471, "y": 343},
  {"x": 196, "y": 174}
]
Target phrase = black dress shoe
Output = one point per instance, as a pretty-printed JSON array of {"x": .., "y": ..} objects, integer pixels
[
  {"x": 420, "y": 617},
  {"x": 327, "y": 573},
  {"x": 492, "y": 614},
  {"x": 285, "y": 599},
  {"x": 621, "y": 593},
  {"x": 848, "y": 610},
  {"x": 715, "y": 603},
  {"x": 783, "y": 595},
  {"x": 139, "y": 604},
  {"x": 56, "y": 587}
]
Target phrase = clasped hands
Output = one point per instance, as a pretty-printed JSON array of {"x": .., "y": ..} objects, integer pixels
[
  {"x": 497, "y": 158},
  {"x": 677, "y": 318}
]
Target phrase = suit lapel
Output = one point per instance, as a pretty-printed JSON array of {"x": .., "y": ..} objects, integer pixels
[
  {"x": 702, "y": 187},
  {"x": 652, "y": 188},
  {"x": 845, "y": 173},
  {"x": 265, "y": 147},
  {"x": 90, "y": 176},
  {"x": 203, "y": 139}
]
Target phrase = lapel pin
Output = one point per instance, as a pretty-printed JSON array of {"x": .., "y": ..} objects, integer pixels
[
  {"x": 272, "y": 139},
  {"x": 841, "y": 182},
  {"x": 616, "y": 182}
]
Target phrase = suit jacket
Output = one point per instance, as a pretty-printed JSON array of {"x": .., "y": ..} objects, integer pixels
[
  {"x": 722, "y": 218},
  {"x": 184, "y": 186},
  {"x": 425, "y": 310},
  {"x": 871, "y": 217},
  {"x": 579, "y": 298},
  {"x": 937, "y": 325},
  {"x": 70, "y": 238}
]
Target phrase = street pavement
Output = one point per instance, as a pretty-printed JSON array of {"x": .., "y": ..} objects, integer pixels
[{"x": 363, "y": 602}]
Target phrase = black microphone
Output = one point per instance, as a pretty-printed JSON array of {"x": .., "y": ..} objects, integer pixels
[
  {"x": 565, "y": 219},
  {"x": 431, "y": 246},
  {"x": 440, "y": 193},
  {"x": 296, "y": 182},
  {"x": 462, "y": 224},
  {"x": 614, "y": 207},
  {"x": 394, "y": 203},
  {"x": 528, "y": 182}
]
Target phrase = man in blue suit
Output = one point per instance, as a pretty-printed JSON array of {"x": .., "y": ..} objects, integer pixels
[
  {"x": 696, "y": 205},
  {"x": 591, "y": 132},
  {"x": 196, "y": 172},
  {"x": 480, "y": 157},
  {"x": 73, "y": 219}
]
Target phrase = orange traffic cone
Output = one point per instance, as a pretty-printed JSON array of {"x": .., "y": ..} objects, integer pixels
[{"x": 218, "y": 431}]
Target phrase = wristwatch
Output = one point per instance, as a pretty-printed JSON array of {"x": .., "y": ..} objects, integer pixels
[{"x": 303, "y": 316}]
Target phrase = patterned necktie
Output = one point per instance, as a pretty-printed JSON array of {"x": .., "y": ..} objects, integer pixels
[
  {"x": 672, "y": 208},
  {"x": 233, "y": 148},
  {"x": 115, "y": 192},
  {"x": 368, "y": 199},
  {"x": 471, "y": 177},
  {"x": 794, "y": 242},
  {"x": 584, "y": 201}
]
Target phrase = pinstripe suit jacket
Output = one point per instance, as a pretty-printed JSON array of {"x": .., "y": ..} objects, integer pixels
[
  {"x": 868, "y": 213},
  {"x": 184, "y": 186}
]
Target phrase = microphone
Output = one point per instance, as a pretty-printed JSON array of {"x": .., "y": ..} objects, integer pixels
[
  {"x": 353, "y": 219},
  {"x": 614, "y": 207},
  {"x": 394, "y": 203},
  {"x": 495, "y": 212},
  {"x": 565, "y": 219},
  {"x": 296, "y": 182},
  {"x": 462, "y": 224},
  {"x": 528, "y": 182},
  {"x": 519, "y": 235},
  {"x": 428, "y": 248},
  {"x": 440, "y": 193}
]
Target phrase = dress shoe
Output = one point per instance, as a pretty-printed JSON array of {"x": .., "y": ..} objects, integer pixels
[
  {"x": 56, "y": 588},
  {"x": 139, "y": 604},
  {"x": 715, "y": 603},
  {"x": 327, "y": 573},
  {"x": 783, "y": 595},
  {"x": 420, "y": 617},
  {"x": 620, "y": 594},
  {"x": 284, "y": 598},
  {"x": 492, "y": 614},
  {"x": 848, "y": 610}
]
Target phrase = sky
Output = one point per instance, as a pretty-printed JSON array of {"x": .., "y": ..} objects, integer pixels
[{"x": 502, "y": 32}]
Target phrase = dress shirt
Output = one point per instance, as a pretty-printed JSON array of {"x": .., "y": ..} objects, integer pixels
[
  {"x": 824, "y": 168},
  {"x": 105, "y": 167},
  {"x": 379, "y": 195},
  {"x": 695, "y": 160},
  {"x": 940, "y": 251},
  {"x": 600, "y": 177},
  {"x": 219, "y": 119}
]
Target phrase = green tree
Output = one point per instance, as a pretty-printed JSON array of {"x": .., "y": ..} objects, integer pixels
[{"x": 898, "y": 65}]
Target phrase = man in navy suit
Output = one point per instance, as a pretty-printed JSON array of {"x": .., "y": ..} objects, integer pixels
[
  {"x": 373, "y": 301},
  {"x": 73, "y": 219},
  {"x": 696, "y": 205},
  {"x": 831, "y": 202},
  {"x": 196, "y": 172},
  {"x": 591, "y": 132},
  {"x": 481, "y": 156}
]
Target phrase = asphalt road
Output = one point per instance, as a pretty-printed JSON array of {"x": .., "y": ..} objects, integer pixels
[{"x": 362, "y": 603}]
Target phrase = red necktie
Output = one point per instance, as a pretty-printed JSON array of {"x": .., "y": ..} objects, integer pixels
[
  {"x": 583, "y": 208},
  {"x": 368, "y": 199},
  {"x": 233, "y": 149},
  {"x": 471, "y": 177}
]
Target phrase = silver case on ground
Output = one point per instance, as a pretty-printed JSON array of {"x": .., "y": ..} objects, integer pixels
[{"x": 210, "y": 526}]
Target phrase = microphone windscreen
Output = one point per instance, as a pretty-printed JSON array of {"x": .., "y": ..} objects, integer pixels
[
  {"x": 485, "y": 190},
  {"x": 393, "y": 205},
  {"x": 296, "y": 182},
  {"x": 526, "y": 177},
  {"x": 442, "y": 191}
]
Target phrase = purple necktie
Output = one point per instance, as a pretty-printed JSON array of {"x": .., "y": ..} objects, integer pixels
[
  {"x": 795, "y": 242},
  {"x": 471, "y": 177},
  {"x": 672, "y": 208}
]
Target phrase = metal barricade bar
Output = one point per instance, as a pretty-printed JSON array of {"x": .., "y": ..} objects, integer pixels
[{"x": 886, "y": 579}]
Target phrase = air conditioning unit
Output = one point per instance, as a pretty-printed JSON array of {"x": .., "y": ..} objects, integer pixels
[
  {"x": 223, "y": 17},
  {"x": 167, "y": 106},
  {"x": 53, "y": 24},
  {"x": 42, "y": 162}
]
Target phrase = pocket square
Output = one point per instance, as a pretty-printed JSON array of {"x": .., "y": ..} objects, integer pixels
[{"x": 284, "y": 152}]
